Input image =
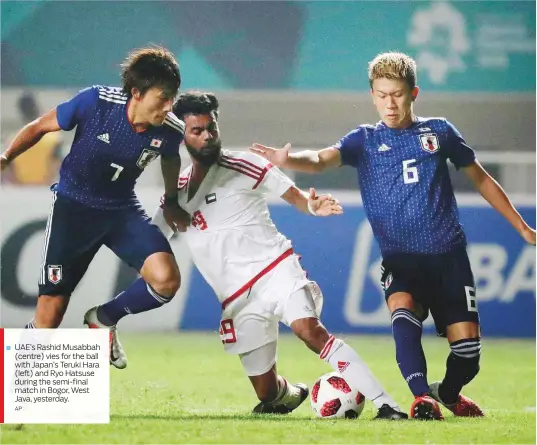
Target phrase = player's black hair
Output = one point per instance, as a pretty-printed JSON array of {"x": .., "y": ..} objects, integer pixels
[
  {"x": 150, "y": 67},
  {"x": 195, "y": 102}
]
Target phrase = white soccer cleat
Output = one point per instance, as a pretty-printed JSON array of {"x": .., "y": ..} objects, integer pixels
[{"x": 118, "y": 358}]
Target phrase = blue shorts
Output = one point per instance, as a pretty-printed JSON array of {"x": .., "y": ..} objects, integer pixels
[
  {"x": 441, "y": 284},
  {"x": 75, "y": 233}
]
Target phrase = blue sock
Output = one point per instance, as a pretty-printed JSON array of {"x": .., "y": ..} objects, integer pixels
[
  {"x": 407, "y": 330},
  {"x": 140, "y": 297}
]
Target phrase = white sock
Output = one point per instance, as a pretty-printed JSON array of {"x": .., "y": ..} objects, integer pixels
[
  {"x": 349, "y": 364},
  {"x": 288, "y": 394}
]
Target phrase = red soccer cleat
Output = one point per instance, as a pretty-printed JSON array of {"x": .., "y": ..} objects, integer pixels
[
  {"x": 426, "y": 408},
  {"x": 464, "y": 407}
]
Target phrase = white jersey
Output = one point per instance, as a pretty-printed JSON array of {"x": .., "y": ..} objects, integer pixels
[{"x": 232, "y": 240}]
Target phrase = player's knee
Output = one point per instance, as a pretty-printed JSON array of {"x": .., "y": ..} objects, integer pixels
[
  {"x": 311, "y": 332},
  {"x": 166, "y": 282},
  {"x": 401, "y": 300}
]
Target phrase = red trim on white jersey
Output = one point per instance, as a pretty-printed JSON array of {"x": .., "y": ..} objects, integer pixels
[
  {"x": 263, "y": 173},
  {"x": 245, "y": 167},
  {"x": 183, "y": 180},
  {"x": 255, "y": 169},
  {"x": 261, "y": 274},
  {"x": 239, "y": 169}
]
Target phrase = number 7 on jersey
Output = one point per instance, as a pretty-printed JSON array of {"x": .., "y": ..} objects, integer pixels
[{"x": 118, "y": 168}]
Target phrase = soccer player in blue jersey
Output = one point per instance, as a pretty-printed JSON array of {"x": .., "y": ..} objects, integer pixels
[
  {"x": 119, "y": 131},
  {"x": 409, "y": 201}
]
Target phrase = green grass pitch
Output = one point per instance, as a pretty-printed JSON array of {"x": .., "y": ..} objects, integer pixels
[{"x": 183, "y": 388}]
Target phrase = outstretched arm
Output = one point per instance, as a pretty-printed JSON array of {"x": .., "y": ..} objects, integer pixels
[
  {"x": 28, "y": 136},
  {"x": 322, "y": 205},
  {"x": 497, "y": 198},
  {"x": 307, "y": 161}
]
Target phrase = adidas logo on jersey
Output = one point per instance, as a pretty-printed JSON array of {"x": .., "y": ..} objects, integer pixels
[
  {"x": 384, "y": 147},
  {"x": 104, "y": 137}
]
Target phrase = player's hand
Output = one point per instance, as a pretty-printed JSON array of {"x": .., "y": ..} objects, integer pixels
[
  {"x": 276, "y": 156},
  {"x": 177, "y": 218},
  {"x": 3, "y": 163},
  {"x": 528, "y": 234},
  {"x": 323, "y": 205}
]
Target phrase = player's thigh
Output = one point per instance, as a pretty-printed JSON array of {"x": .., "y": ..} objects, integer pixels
[
  {"x": 402, "y": 287},
  {"x": 134, "y": 239},
  {"x": 300, "y": 312},
  {"x": 250, "y": 328},
  {"x": 455, "y": 301},
  {"x": 73, "y": 235}
]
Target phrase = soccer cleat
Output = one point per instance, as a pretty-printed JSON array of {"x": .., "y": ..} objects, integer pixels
[
  {"x": 269, "y": 408},
  {"x": 386, "y": 412},
  {"x": 463, "y": 407},
  {"x": 425, "y": 408},
  {"x": 118, "y": 358}
]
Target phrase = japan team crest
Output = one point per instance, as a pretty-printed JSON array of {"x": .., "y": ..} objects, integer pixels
[
  {"x": 146, "y": 158},
  {"x": 429, "y": 142},
  {"x": 388, "y": 281},
  {"x": 54, "y": 273}
]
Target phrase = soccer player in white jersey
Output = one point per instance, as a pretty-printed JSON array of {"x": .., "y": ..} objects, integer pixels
[
  {"x": 252, "y": 267},
  {"x": 410, "y": 204}
]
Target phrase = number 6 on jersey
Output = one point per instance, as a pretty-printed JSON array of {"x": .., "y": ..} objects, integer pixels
[{"x": 410, "y": 174}]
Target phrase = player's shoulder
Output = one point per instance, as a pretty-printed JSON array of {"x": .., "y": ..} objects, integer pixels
[
  {"x": 110, "y": 95},
  {"x": 243, "y": 163},
  {"x": 173, "y": 124},
  {"x": 434, "y": 124},
  {"x": 243, "y": 157}
]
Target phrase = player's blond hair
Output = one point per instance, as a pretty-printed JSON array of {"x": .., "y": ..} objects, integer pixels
[{"x": 394, "y": 66}]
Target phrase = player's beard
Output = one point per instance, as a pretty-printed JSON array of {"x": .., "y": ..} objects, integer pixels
[{"x": 207, "y": 155}]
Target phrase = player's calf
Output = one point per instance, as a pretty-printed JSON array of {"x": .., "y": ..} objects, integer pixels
[
  {"x": 346, "y": 361},
  {"x": 462, "y": 366},
  {"x": 276, "y": 395},
  {"x": 49, "y": 312},
  {"x": 139, "y": 297}
]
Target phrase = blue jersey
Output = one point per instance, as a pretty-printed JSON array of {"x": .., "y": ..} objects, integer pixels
[
  {"x": 108, "y": 155},
  {"x": 405, "y": 184}
]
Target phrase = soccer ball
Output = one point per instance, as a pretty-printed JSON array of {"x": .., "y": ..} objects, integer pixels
[{"x": 332, "y": 397}]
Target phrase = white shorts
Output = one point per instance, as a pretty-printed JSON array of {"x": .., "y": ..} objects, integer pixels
[
  {"x": 284, "y": 294},
  {"x": 260, "y": 360}
]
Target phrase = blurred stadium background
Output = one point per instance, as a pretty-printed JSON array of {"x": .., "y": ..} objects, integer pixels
[{"x": 284, "y": 72}]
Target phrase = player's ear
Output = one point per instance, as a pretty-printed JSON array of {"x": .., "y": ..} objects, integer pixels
[
  {"x": 135, "y": 92},
  {"x": 415, "y": 92}
]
